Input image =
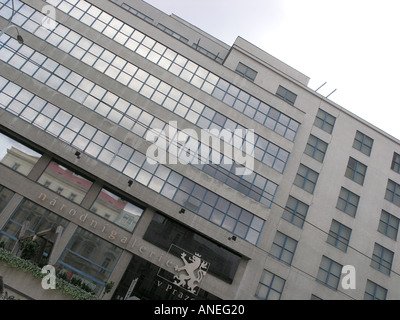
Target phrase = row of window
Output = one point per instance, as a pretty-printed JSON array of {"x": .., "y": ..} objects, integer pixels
[
  {"x": 159, "y": 178},
  {"x": 283, "y": 247},
  {"x": 179, "y": 65},
  {"x": 339, "y": 237},
  {"x": 271, "y": 286},
  {"x": 132, "y": 118},
  {"x": 105, "y": 103},
  {"x": 251, "y": 74},
  {"x": 170, "y": 31},
  {"x": 128, "y": 116},
  {"x": 86, "y": 257},
  {"x": 70, "y": 184},
  {"x": 316, "y": 148}
]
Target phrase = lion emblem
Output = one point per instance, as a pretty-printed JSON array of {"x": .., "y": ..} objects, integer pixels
[{"x": 195, "y": 270}]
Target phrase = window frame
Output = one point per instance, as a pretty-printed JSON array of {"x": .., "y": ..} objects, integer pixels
[
  {"x": 356, "y": 172},
  {"x": 361, "y": 143},
  {"x": 386, "y": 225},
  {"x": 325, "y": 121},
  {"x": 396, "y": 162},
  {"x": 244, "y": 70},
  {"x": 378, "y": 259},
  {"x": 284, "y": 254},
  {"x": 376, "y": 287},
  {"x": 312, "y": 150},
  {"x": 339, "y": 238},
  {"x": 326, "y": 274},
  {"x": 348, "y": 202},
  {"x": 393, "y": 195},
  {"x": 270, "y": 285},
  {"x": 304, "y": 181},
  {"x": 295, "y": 215},
  {"x": 287, "y": 95}
]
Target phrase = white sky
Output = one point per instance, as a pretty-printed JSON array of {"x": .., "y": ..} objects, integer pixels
[{"x": 353, "y": 45}]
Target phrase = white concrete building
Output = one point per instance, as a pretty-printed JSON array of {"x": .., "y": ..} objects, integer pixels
[{"x": 80, "y": 101}]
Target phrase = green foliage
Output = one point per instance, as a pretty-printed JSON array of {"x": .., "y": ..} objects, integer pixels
[
  {"x": 108, "y": 287},
  {"x": 61, "y": 284},
  {"x": 30, "y": 249}
]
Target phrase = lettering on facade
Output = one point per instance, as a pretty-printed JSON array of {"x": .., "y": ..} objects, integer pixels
[
  {"x": 90, "y": 223},
  {"x": 187, "y": 275}
]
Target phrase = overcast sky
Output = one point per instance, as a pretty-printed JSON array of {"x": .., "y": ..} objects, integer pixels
[{"x": 353, "y": 45}]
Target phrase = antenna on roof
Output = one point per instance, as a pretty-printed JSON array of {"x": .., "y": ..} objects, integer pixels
[
  {"x": 330, "y": 93},
  {"x": 320, "y": 86}
]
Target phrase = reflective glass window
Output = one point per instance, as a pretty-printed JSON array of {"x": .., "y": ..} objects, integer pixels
[
  {"x": 116, "y": 209},
  {"x": 17, "y": 156}
]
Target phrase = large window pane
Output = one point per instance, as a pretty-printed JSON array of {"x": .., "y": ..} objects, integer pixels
[
  {"x": 116, "y": 209},
  {"x": 16, "y": 155},
  {"x": 39, "y": 219},
  {"x": 90, "y": 259},
  {"x": 5, "y": 196},
  {"x": 65, "y": 182}
]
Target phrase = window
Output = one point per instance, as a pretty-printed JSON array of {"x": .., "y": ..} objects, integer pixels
[
  {"x": 348, "y": 202},
  {"x": 382, "y": 259},
  {"x": 163, "y": 232},
  {"x": 39, "y": 219},
  {"x": 295, "y": 212},
  {"x": 329, "y": 273},
  {"x": 65, "y": 182},
  {"x": 393, "y": 192},
  {"x": 316, "y": 148},
  {"x": 396, "y": 162},
  {"x": 325, "y": 121},
  {"x": 363, "y": 143},
  {"x": 339, "y": 235},
  {"x": 306, "y": 178},
  {"x": 172, "y": 33},
  {"x": 374, "y": 291},
  {"x": 389, "y": 225},
  {"x": 270, "y": 286},
  {"x": 143, "y": 273},
  {"x": 246, "y": 71},
  {"x": 116, "y": 209},
  {"x": 356, "y": 171},
  {"x": 283, "y": 248},
  {"x": 286, "y": 95},
  {"x": 5, "y": 196},
  {"x": 90, "y": 258},
  {"x": 17, "y": 156}
]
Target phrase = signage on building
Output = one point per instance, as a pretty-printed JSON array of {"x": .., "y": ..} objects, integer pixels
[{"x": 189, "y": 273}]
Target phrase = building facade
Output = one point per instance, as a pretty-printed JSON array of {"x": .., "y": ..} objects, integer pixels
[{"x": 285, "y": 196}]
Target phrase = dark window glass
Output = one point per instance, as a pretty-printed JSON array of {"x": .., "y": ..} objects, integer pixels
[
  {"x": 389, "y": 225},
  {"x": 144, "y": 280},
  {"x": 90, "y": 259},
  {"x": 356, "y": 171},
  {"x": 246, "y": 71},
  {"x": 325, "y": 121},
  {"x": 286, "y": 95},
  {"x": 163, "y": 232},
  {"x": 363, "y": 143},
  {"x": 5, "y": 196},
  {"x": 38, "y": 218},
  {"x": 396, "y": 162}
]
